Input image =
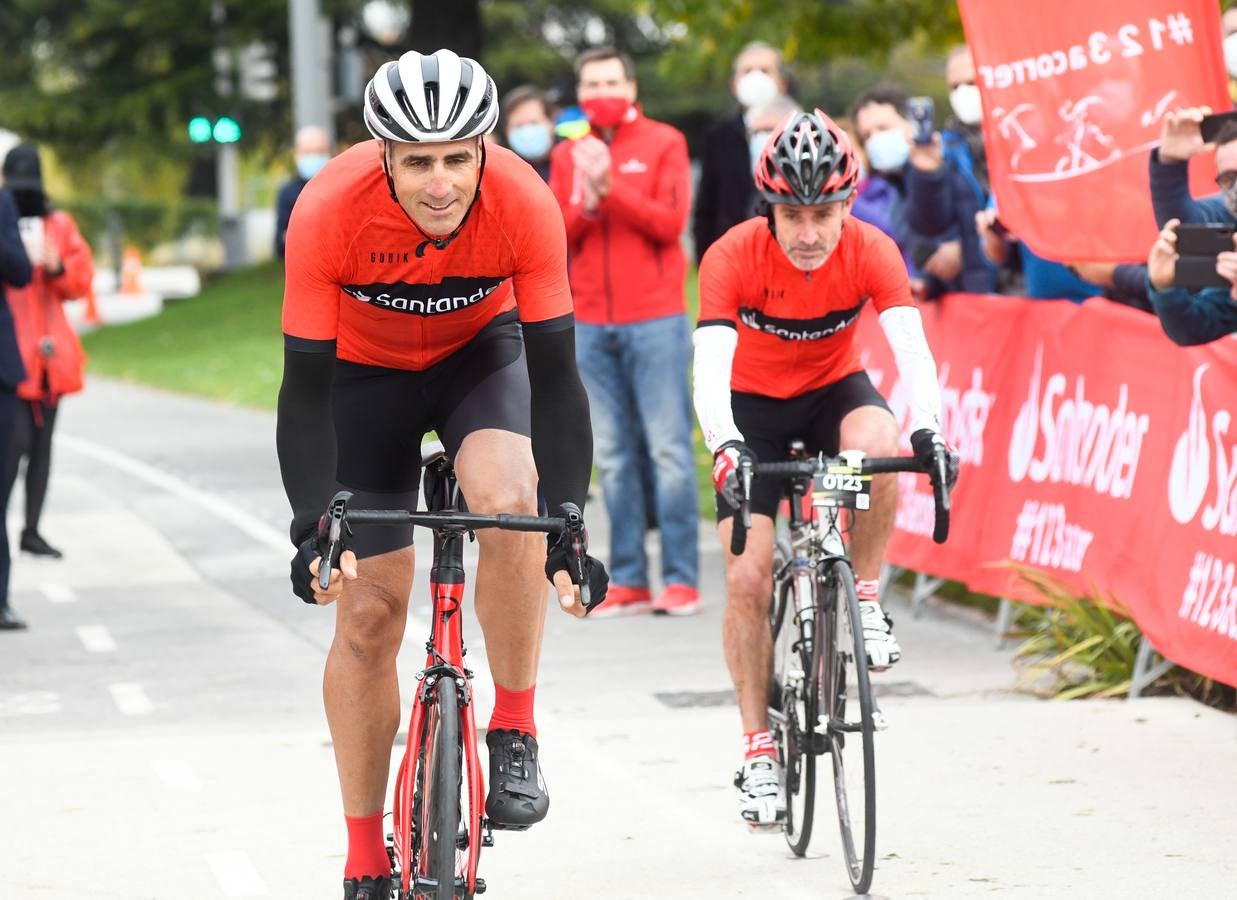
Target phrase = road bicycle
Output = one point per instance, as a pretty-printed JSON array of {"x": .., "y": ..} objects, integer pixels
[
  {"x": 439, "y": 826},
  {"x": 821, "y": 696}
]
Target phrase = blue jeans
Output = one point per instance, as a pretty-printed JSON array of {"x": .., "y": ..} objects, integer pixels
[{"x": 636, "y": 378}]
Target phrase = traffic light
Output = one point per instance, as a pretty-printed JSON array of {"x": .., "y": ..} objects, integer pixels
[
  {"x": 226, "y": 130},
  {"x": 199, "y": 129},
  {"x": 223, "y": 130}
]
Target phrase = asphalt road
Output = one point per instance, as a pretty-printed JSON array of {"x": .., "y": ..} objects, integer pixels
[{"x": 161, "y": 732}]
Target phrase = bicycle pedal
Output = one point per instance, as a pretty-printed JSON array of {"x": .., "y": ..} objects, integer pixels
[
  {"x": 879, "y": 722},
  {"x": 479, "y": 888}
]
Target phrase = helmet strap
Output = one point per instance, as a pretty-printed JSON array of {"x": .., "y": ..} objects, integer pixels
[{"x": 438, "y": 243}]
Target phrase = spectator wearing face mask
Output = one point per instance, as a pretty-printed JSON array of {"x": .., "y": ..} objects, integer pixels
[
  {"x": 313, "y": 151},
  {"x": 624, "y": 189},
  {"x": 63, "y": 269},
  {"x": 764, "y": 120},
  {"x": 919, "y": 198},
  {"x": 725, "y": 195},
  {"x": 962, "y": 138},
  {"x": 529, "y": 128}
]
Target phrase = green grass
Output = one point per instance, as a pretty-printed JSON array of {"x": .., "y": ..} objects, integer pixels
[{"x": 225, "y": 343}]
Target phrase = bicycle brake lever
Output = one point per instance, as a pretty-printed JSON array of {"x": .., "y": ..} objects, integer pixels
[{"x": 336, "y": 528}]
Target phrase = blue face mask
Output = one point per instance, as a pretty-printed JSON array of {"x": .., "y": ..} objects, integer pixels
[
  {"x": 310, "y": 164},
  {"x": 531, "y": 141},
  {"x": 756, "y": 145},
  {"x": 888, "y": 150}
]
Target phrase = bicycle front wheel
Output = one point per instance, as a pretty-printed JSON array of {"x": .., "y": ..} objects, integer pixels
[
  {"x": 846, "y": 697},
  {"x": 438, "y": 792},
  {"x": 798, "y": 660}
]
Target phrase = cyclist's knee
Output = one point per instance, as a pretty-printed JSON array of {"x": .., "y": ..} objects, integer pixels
[
  {"x": 369, "y": 624},
  {"x": 878, "y": 437},
  {"x": 514, "y": 496},
  {"x": 748, "y": 584}
]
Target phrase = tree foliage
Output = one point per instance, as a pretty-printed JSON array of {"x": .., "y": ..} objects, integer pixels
[{"x": 809, "y": 32}]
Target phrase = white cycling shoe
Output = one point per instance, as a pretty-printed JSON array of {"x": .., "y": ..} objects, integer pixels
[
  {"x": 878, "y": 639},
  {"x": 762, "y": 793}
]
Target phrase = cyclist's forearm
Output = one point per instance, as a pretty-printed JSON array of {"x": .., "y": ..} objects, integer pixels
[
  {"x": 305, "y": 437},
  {"x": 903, "y": 328},
  {"x": 562, "y": 429},
  {"x": 711, "y": 366}
]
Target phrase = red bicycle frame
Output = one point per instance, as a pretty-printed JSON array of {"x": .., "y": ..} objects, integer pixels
[{"x": 444, "y": 670}]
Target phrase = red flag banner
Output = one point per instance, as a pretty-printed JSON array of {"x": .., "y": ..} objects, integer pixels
[
  {"x": 1092, "y": 448},
  {"x": 1074, "y": 99}
]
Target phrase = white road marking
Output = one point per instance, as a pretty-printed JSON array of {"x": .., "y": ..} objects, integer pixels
[
  {"x": 177, "y": 774},
  {"x": 131, "y": 699},
  {"x": 58, "y": 593},
  {"x": 236, "y": 874},
  {"x": 96, "y": 639},
  {"x": 35, "y": 703},
  {"x": 252, "y": 526}
]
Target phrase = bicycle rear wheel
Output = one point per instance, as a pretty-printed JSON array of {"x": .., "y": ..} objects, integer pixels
[
  {"x": 846, "y": 696},
  {"x": 438, "y": 792},
  {"x": 799, "y": 661}
]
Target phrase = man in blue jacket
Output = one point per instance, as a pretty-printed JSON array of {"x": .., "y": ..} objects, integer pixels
[
  {"x": 15, "y": 270},
  {"x": 1192, "y": 317}
]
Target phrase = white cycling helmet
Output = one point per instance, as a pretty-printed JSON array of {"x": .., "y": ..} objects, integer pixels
[{"x": 430, "y": 98}]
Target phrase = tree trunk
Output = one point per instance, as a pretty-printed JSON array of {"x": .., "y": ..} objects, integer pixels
[{"x": 455, "y": 24}]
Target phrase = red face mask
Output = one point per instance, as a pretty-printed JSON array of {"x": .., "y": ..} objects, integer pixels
[{"x": 606, "y": 112}]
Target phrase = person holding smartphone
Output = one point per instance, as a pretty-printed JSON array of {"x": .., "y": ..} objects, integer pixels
[{"x": 15, "y": 272}]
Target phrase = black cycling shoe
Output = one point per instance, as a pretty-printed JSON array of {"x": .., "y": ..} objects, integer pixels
[
  {"x": 517, "y": 797},
  {"x": 368, "y": 888},
  {"x": 32, "y": 542}
]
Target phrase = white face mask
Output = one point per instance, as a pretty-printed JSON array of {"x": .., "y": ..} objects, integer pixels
[
  {"x": 966, "y": 104},
  {"x": 755, "y": 89},
  {"x": 888, "y": 150},
  {"x": 1230, "y": 54}
]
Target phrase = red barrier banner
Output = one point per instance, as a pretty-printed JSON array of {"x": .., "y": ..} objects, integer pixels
[
  {"x": 1093, "y": 449},
  {"x": 1074, "y": 99}
]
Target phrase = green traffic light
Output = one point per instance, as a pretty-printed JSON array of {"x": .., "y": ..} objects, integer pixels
[
  {"x": 199, "y": 129},
  {"x": 227, "y": 131}
]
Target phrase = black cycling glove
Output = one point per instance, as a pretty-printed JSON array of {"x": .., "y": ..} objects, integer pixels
[
  {"x": 924, "y": 444},
  {"x": 561, "y": 556},
  {"x": 302, "y": 580}
]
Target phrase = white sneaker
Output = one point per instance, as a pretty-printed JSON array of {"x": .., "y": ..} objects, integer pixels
[
  {"x": 878, "y": 639},
  {"x": 762, "y": 793}
]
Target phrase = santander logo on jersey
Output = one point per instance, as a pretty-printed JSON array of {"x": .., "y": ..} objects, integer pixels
[
  {"x": 1075, "y": 440},
  {"x": 1190, "y": 474}
]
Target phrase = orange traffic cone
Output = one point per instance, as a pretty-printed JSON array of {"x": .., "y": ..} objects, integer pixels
[{"x": 131, "y": 272}]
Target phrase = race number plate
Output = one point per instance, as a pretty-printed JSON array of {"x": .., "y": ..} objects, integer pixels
[{"x": 842, "y": 486}]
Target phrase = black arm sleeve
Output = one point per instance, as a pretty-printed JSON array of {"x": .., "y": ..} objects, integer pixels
[
  {"x": 562, "y": 429},
  {"x": 305, "y": 434}
]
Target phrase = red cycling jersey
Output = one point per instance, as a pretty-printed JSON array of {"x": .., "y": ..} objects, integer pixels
[
  {"x": 354, "y": 276},
  {"x": 797, "y": 329}
]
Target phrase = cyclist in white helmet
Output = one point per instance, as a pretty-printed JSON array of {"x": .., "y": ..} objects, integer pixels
[{"x": 427, "y": 289}]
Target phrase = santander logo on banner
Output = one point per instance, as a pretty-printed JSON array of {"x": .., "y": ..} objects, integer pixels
[
  {"x": 1074, "y": 440},
  {"x": 1190, "y": 475}
]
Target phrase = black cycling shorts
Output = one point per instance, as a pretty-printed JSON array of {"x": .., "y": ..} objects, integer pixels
[
  {"x": 382, "y": 415},
  {"x": 769, "y": 424}
]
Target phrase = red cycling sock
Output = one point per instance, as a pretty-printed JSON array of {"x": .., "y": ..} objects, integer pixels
[
  {"x": 367, "y": 850},
  {"x": 513, "y": 710},
  {"x": 758, "y": 743},
  {"x": 868, "y": 590}
]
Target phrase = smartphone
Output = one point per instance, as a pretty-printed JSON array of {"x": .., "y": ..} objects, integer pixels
[
  {"x": 1211, "y": 125},
  {"x": 922, "y": 111},
  {"x": 30, "y": 228},
  {"x": 1198, "y": 245}
]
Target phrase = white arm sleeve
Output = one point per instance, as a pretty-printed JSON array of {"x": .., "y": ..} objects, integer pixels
[
  {"x": 714, "y": 356},
  {"x": 903, "y": 327}
]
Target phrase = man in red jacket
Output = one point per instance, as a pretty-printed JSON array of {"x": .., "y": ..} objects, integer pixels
[{"x": 624, "y": 189}]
